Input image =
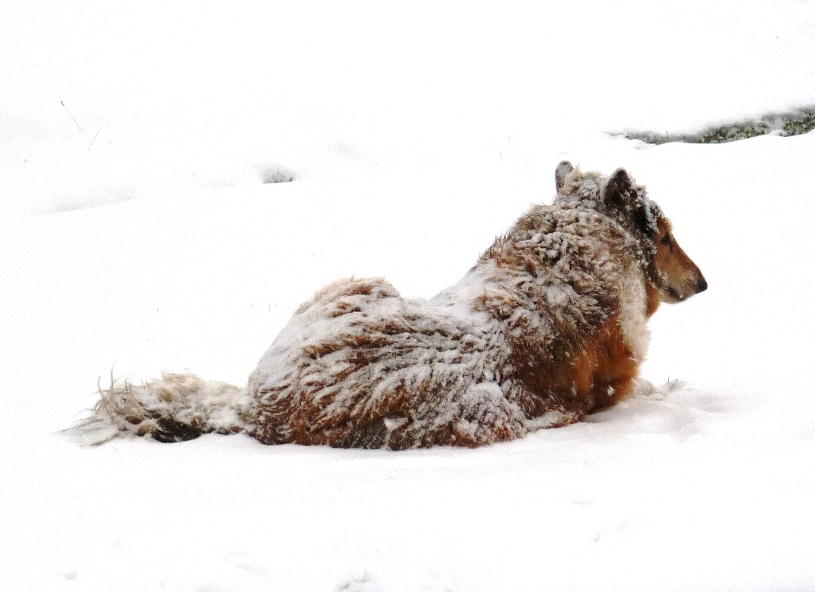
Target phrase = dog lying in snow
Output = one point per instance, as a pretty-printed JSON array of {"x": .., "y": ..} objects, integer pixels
[{"x": 548, "y": 326}]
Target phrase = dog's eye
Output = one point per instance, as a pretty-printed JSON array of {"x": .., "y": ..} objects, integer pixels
[{"x": 667, "y": 240}]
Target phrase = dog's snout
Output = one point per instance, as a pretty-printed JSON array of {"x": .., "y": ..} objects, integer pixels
[{"x": 701, "y": 285}]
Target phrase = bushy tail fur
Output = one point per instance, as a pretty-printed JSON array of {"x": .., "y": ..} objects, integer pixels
[{"x": 173, "y": 408}]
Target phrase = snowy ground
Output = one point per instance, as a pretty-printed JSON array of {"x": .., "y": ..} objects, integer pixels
[{"x": 136, "y": 236}]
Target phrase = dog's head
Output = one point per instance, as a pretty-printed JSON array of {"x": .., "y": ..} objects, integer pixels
[{"x": 672, "y": 275}]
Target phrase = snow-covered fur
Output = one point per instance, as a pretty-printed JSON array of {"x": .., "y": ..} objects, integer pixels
[{"x": 548, "y": 326}]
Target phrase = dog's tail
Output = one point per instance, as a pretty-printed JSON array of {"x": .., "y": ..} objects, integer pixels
[{"x": 173, "y": 408}]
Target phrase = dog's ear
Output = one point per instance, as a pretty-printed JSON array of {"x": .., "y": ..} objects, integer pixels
[
  {"x": 619, "y": 191},
  {"x": 620, "y": 195},
  {"x": 562, "y": 170}
]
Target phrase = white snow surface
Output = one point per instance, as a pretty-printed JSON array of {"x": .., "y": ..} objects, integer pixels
[{"x": 137, "y": 235}]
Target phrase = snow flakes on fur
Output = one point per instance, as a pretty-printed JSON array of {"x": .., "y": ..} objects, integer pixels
[
  {"x": 549, "y": 325},
  {"x": 361, "y": 366}
]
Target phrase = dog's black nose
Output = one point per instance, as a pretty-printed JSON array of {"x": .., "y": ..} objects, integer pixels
[{"x": 701, "y": 285}]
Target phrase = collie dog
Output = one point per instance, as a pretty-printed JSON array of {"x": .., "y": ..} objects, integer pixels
[{"x": 548, "y": 326}]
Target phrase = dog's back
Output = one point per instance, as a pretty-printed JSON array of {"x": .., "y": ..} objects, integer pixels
[{"x": 361, "y": 366}]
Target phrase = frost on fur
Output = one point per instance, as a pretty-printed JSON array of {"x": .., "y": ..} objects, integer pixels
[{"x": 548, "y": 326}]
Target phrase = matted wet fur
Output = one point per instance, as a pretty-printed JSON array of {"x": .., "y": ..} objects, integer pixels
[{"x": 548, "y": 326}]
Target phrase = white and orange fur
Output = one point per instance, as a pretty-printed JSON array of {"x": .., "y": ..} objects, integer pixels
[{"x": 547, "y": 327}]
